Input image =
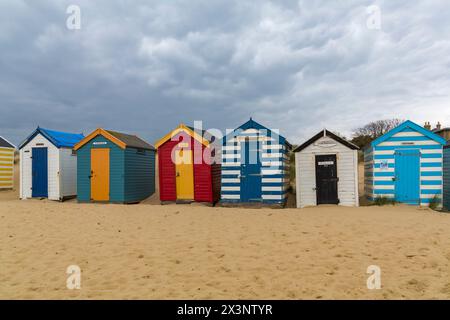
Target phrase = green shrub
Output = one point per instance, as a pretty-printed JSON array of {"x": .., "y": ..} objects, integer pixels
[
  {"x": 435, "y": 202},
  {"x": 383, "y": 201}
]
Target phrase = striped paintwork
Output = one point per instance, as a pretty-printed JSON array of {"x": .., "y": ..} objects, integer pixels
[
  {"x": 6, "y": 168},
  {"x": 273, "y": 164},
  {"x": 380, "y": 164},
  {"x": 446, "y": 177}
]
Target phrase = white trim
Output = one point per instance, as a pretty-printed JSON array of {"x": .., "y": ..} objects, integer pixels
[
  {"x": 231, "y": 196},
  {"x": 426, "y": 187},
  {"x": 230, "y": 180},
  {"x": 431, "y": 169},
  {"x": 273, "y": 197},
  {"x": 408, "y": 134},
  {"x": 414, "y": 143},
  {"x": 231, "y": 148},
  {"x": 231, "y": 164},
  {"x": 428, "y": 178},
  {"x": 272, "y": 146},
  {"x": 272, "y": 180},
  {"x": 281, "y": 188},
  {"x": 231, "y": 172},
  {"x": 231, "y": 188}
]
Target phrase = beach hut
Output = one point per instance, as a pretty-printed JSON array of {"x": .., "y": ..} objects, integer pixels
[
  {"x": 187, "y": 167},
  {"x": 115, "y": 167},
  {"x": 405, "y": 165},
  {"x": 7, "y": 150},
  {"x": 48, "y": 167},
  {"x": 447, "y": 177},
  {"x": 255, "y": 166},
  {"x": 326, "y": 169}
]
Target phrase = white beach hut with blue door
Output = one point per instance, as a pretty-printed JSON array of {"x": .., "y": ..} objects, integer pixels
[
  {"x": 255, "y": 166},
  {"x": 406, "y": 165},
  {"x": 48, "y": 166}
]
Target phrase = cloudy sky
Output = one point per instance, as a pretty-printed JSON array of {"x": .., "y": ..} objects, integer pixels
[{"x": 144, "y": 66}]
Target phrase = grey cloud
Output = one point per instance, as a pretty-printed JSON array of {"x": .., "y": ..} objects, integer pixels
[{"x": 145, "y": 66}]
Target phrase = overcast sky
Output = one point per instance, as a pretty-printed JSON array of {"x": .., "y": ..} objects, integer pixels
[{"x": 144, "y": 66}]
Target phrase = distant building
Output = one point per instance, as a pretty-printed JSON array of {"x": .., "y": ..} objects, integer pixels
[{"x": 443, "y": 132}]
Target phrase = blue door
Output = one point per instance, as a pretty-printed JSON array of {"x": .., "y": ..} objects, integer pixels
[
  {"x": 407, "y": 176},
  {"x": 250, "y": 171},
  {"x": 39, "y": 170}
]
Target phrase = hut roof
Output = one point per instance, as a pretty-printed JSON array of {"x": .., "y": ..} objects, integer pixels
[
  {"x": 252, "y": 124},
  {"x": 6, "y": 144},
  {"x": 189, "y": 130},
  {"x": 123, "y": 140},
  {"x": 413, "y": 126},
  {"x": 59, "y": 138},
  {"x": 326, "y": 133}
]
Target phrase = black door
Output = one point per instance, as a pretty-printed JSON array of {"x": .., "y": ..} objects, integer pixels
[{"x": 326, "y": 179}]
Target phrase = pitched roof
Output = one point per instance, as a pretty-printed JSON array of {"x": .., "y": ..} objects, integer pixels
[
  {"x": 252, "y": 124},
  {"x": 5, "y": 143},
  {"x": 189, "y": 130},
  {"x": 326, "y": 133},
  {"x": 411, "y": 125},
  {"x": 58, "y": 138},
  {"x": 123, "y": 140},
  {"x": 441, "y": 130},
  {"x": 131, "y": 141}
]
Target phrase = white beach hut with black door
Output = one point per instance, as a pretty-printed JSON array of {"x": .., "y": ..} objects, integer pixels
[{"x": 326, "y": 171}]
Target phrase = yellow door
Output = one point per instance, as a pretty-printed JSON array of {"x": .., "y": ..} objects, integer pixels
[
  {"x": 100, "y": 174},
  {"x": 185, "y": 174}
]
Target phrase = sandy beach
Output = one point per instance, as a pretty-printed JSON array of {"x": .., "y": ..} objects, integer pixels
[{"x": 149, "y": 251}]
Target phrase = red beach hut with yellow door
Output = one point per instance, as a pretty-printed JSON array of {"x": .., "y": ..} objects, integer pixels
[{"x": 187, "y": 168}]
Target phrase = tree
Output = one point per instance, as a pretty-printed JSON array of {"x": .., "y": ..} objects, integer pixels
[{"x": 364, "y": 135}]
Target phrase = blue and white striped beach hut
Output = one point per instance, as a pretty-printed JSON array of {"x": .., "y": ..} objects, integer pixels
[
  {"x": 255, "y": 165},
  {"x": 405, "y": 164},
  {"x": 447, "y": 177}
]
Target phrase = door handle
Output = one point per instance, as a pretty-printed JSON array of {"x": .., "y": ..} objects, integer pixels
[{"x": 178, "y": 174}]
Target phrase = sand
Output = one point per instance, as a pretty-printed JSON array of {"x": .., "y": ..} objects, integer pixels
[{"x": 150, "y": 251}]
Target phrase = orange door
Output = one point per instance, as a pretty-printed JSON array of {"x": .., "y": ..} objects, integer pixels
[{"x": 100, "y": 174}]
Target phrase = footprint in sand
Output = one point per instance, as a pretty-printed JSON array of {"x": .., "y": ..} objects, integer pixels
[{"x": 417, "y": 285}]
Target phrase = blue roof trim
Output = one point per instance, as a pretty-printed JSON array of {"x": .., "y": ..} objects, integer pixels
[
  {"x": 58, "y": 138},
  {"x": 252, "y": 124},
  {"x": 412, "y": 125}
]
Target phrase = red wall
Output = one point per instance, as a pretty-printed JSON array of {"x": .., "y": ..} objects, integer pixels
[
  {"x": 166, "y": 169},
  {"x": 206, "y": 177},
  {"x": 202, "y": 181}
]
